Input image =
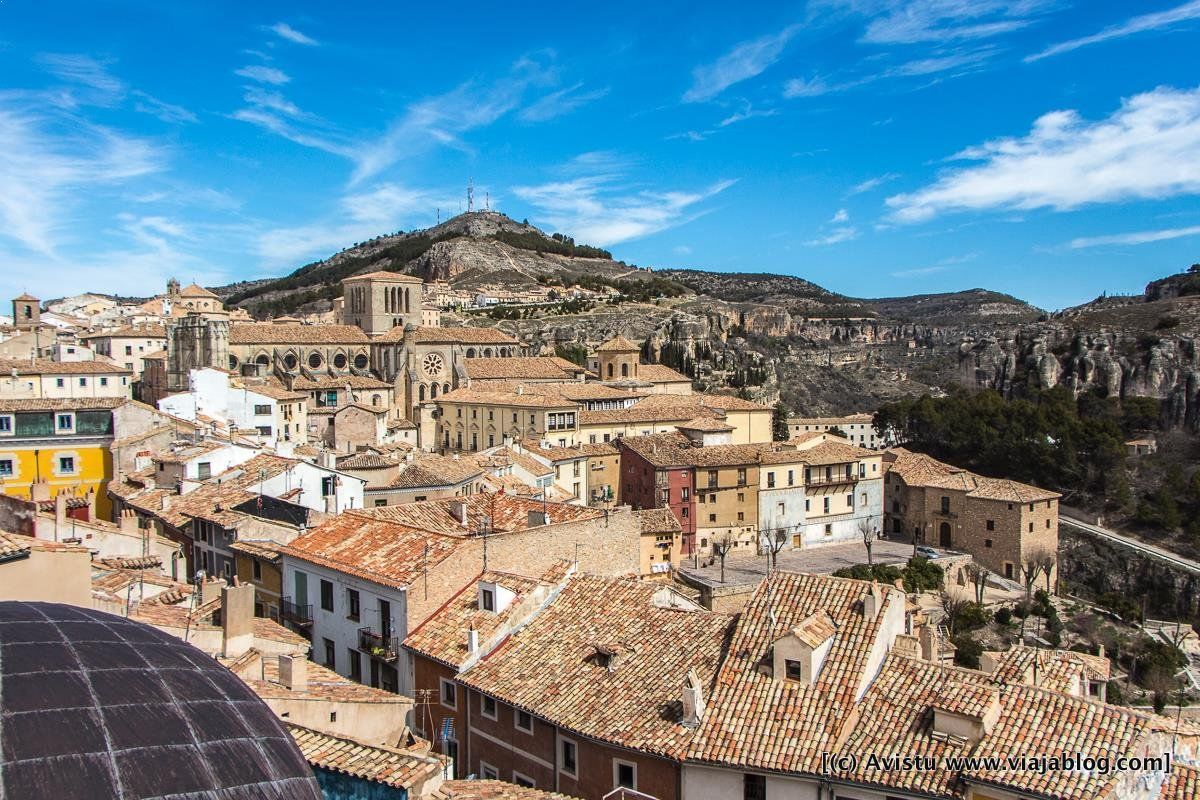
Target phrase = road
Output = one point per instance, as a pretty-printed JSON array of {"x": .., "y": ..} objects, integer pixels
[{"x": 1130, "y": 542}]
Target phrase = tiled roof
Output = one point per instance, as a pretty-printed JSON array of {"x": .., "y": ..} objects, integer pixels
[
  {"x": 675, "y": 449},
  {"x": 657, "y": 520},
  {"x": 431, "y": 335},
  {"x": 376, "y": 763},
  {"x": 554, "y": 667},
  {"x": 660, "y": 373},
  {"x": 150, "y": 330},
  {"x": 815, "y": 629},
  {"x": 443, "y": 637},
  {"x": 275, "y": 391},
  {"x": 709, "y": 424},
  {"x": 157, "y": 355},
  {"x": 640, "y": 413},
  {"x": 13, "y": 544},
  {"x": 755, "y": 720},
  {"x": 505, "y": 456},
  {"x": 521, "y": 368},
  {"x": 495, "y": 790},
  {"x": 340, "y": 382},
  {"x": 618, "y": 344},
  {"x": 366, "y": 460},
  {"x": 375, "y": 549},
  {"x": 195, "y": 290},
  {"x": 1056, "y": 669},
  {"x": 506, "y": 513},
  {"x": 44, "y": 366},
  {"x": 1182, "y": 784},
  {"x": 514, "y": 399},
  {"x": 267, "y": 333},
  {"x": 918, "y": 469},
  {"x": 259, "y": 548},
  {"x": 321, "y": 683},
  {"x": 179, "y": 617},
  {"x": 966, "y": 698},
  {"x": 383, "y": 275},
  {"x": 570, "y": 452},
  {"x": 833, "y": 452},
  {"x": 62, "y": 404},
  {"x": 432, "y": 469}
]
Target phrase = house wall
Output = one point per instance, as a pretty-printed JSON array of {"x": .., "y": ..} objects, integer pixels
[{"x": 50, "y": 576}]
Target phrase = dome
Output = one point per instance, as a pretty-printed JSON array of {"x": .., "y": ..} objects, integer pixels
[{"x": 95, "y": 705}]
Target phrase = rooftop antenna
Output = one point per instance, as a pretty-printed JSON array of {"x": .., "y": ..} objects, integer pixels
[
  {"x": 487, "y": 201},
  {"x": 470, "y": 195}
]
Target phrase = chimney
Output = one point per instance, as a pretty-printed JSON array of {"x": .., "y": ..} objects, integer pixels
[
  {"x": 129, "y": 521},
  {"x": 1100, "y": 650},
  {"x": 210, "y": 589},
  {"x": 39, "y": 491},
  {"x": 928, "y": 638},
  {"x": 60, "y": 510},
  {"x": 520, "y": 388},
  {"x": 458, "y": 510},
  {"x": 472, "y": 640},
  {"x": 872, "y": 600},
  {"x": 693, "y": 700},
  {"x": 293, "y": 672},
  {"x": 537, "y": 518},
  {"x": 237, "y": 619},
  {"x": 331, "y": 504}
]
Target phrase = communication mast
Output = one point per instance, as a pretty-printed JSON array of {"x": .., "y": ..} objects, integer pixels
[{"x": 470, "y": 195}]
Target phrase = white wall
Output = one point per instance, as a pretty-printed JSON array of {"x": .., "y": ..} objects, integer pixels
[{"x": 308, "y": 477}]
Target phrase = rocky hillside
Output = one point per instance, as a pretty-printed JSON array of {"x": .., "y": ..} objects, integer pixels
[{"x": 776, "y": 336}]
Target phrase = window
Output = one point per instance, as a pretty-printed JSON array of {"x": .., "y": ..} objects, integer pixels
[
  {"x": 826, "y": 505},
  {"x": 712, "y": 517},
  {"x": 754, "y": 787},
  {"x": 828, "y": 529},
  {"x": 741, "y": 516},
  {"x": 354, "y": 603},
  {"x": 262, "y": 410},
  {"x": 265, "y": 430},
  {"x": 770, "y": 480},
  {"x": 66, "y": 464},
  {"x": 488, "y": 772},
  {"x": 355, "y": 664},
  {"x": 524, "y": 721},
  {"x": 807, "y": 504},
  {"x": 326, "y": 595},
  {"x": 524, "y": 780},
  {"x": 741, "y": 476},
  {"x": 328, "y": 485},
  {"x": 330, "y": 654},
  {"x": 59, "y": 382},
  {"x": 1031, "y": 527},
  {"x": 204, "y": 470},
  {"x": 6, "y": 467},
  {"x": 128, "y": 349},
  {"x": 712, "y": 479},
  {"x": 991, "y": 524},
  {"x": 685, "y": 512},
  {"x": 850, "y": 500},
  {"x": 65, "y": 422},
  {"x": 741, "y": 497},
  {"x": 945, "y": 505},
  {"x": 624, "y": 774},
  {"x": 487, "y": 705},
  {"x": 1047, "y": 524},
  {"x": 382, "y": 501},
  {"x": 449, "y": 695},
  {"x": 791, "y": 477},
  {"x": 257, "y": 569},
  {"x": 987, "y": 543},
  {"x": 567, "y": 756},
  {"x": 83, "y": 381},
  {"x": 104, "y": 381},
  {"x": 793, "y": 670},
  {"x": 6, "y": 424},
  {"x": 487, "y": 599}
]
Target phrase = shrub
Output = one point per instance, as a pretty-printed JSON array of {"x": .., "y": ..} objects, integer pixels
[
  {"x": 967, "y": 650},
  {"x": 1003, "y": 615}
]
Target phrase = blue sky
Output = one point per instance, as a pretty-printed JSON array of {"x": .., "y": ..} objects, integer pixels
[{"x": 1046, "y": 148}]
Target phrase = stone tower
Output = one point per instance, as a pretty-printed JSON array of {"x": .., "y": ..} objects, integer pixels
[
  {"x": 618, "y": 359},
  {"x": 26, "y": 312},
  {"x": 380, "y": 301},
  {"x": 195, "y": 342}
]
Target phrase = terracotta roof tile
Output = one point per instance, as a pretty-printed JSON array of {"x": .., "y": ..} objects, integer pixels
[
  {"x": 44, "y": 366},
  {"x": 618, "y": 344},
  {"x": 495, "y": 790},
  {"x": 1182, "y": 784},
  {"x": 267, "y": 333},
  {"x": 506, "y": 513},
  {"x": 521, "y": 368},
  {"x": 513, "y": 399}
]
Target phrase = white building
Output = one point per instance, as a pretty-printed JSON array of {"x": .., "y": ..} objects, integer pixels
[{"x": 264, "y": 413}]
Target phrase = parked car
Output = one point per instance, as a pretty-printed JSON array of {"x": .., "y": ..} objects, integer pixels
[{"x": 927, "y": 552}]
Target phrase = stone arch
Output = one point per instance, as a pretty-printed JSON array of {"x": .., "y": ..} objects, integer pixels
[
  {"x": 433, "y": 391},
  {"x": 445, "y": 388},
  {"x": 376, "y": 400},
  {"x": 487, "y": 352},
  {"x": 610, "y": 370},
  {"x": 944, "y": 537},
  {"x": 421, "y": 393},
  {"x": 470, "y": 352},
  {"x": 625, "y": 370},
  {"x": 233, "y": 361},
  {"x": 262, "y": 359}
]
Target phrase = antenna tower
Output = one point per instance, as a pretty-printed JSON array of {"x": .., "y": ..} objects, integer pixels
[{"x": 470, "y": 195}]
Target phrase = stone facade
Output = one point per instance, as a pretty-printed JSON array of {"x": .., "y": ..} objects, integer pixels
[{"x": 380, "y": 301}]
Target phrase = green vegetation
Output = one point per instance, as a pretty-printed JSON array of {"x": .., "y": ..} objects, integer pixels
[
  {"x": 1049, "y": 439},
  {"x": 779, "y": 423},
  {"x": 919, "y": 575},
  {"x": 574, "y": 352},
  {"x": 557, "y": 244}
]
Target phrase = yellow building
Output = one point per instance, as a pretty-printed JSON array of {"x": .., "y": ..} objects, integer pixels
[{"x": 58, "y": 444}]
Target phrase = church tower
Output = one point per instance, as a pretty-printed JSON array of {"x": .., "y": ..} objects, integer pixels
[
  {"x": 26, "y": 312},
  {"x": 618, "y": 359},
  {"x": 380, "y": 301}
]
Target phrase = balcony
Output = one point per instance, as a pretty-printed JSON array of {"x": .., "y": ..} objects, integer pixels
[
  {"x": 295, "y": 613},
  {"x": 832, "y": 480},
  {"x": 384, "y": 648}
]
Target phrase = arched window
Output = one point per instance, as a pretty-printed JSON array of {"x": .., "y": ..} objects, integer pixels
[
  {"x": 610, "y": 370},
  {"x": 470, "y": 352},
  {"x": 314, "y": 361},
  {"x": 421, "y": 393},
  {"x": 263, "y": 359},
  {"x": 407, "y": 308},
  {"x": 433, "y": 390},
  {"x": 446, "y": 388},
  {"x": 625, "y": 370},
  {"x": 289, "y": 361},
  {"x": 233, "y": 362},
  {"x": 375, "y": 400},
  {"x": 487, "y": 352}
]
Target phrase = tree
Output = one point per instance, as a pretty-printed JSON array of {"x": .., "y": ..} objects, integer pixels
[
  {"x": 953, "y": 608},
  {"x": 773, "y": 540},
  {"x": 868, "y": 533},
  {"x": 1046, "y": 559},
  {"x": 978, "y": 575},
  {"x": 779, "y": 423},
  {"x": 721, "y": 548},
  {"x": 921, "y": 575},
  {"x": 1031, "y": 567}
]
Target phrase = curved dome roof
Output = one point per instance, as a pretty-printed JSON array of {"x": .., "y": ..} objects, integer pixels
[{"x": 95, "y": 705}]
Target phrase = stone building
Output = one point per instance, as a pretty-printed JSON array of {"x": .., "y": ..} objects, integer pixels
[
  {"x": 1003, "y": 524},
  {"x": 195, "y": 342},
  {"x": 26, "y": 312},
  {"x": 379, "y": 301}
]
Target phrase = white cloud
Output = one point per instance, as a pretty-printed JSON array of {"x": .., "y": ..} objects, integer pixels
[
  {"x": 1139, "y": 24},
  {"x": 257, "y": 72},
  {"x": 285, "y": 31},
  {"x": 918, "y": 272},
  {"x": 600, "y": 210},
  {"x": 872, "y": 183},
  {"x": 167, "y": 112},
  {"x": 916, "y": 21},
  {"x": 842, "y": 215},
  {"x": 364, "y": 215},
  {"x": 272, "y": 101},
  {"x": 1138, "y": 237},
  {"x": 808, "y": 87},
  {"x": 681, "y": 250},
  {"x": 45, "y": 172},
  {"x": 1148, "y": 149},
  {"x": 560, "y": 103},
  {"x": 744, "y": 61},
  {"x": 84, "y": 70},
  {"x": 747, "y": 112},
  {"x": 837, "y": 236}
]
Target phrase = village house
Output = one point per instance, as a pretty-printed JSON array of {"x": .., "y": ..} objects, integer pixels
[
  {"x": 128, "y": 344},
  {"x": 1007, "y": 526},
  {"x": 42, "y": 378}
]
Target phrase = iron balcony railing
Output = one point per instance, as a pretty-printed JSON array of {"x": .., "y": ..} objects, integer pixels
[
  {"x": 384, "y": 648},
  {"x": 295, "y": 613}
]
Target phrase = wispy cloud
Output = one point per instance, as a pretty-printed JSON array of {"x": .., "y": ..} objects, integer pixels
[
  {"x": 257, "y": 72},
  {"x": 83, "y": 70},
  {"x": 1140, "y": 24},
  {"x": 285, "y": 31},
  {"x": 873, "y": 183},
  {"x": 167, "y": 112},
  {"x": 1138, "y": 237},
  {"x": 842, "y": 215},
  {"x": 744, "y": 61},
  {"x": 918, "y": 272},
  {"x": 1148, "y": 148},
  {"x": 560, "y": 103},
  {"x": 809, "y": 87},
  {"x": 602, "y": 209},
  {"x": 916, "y": 21},
  {"x": 747, "y": 112},
  {"x": 836, "y": 236}
]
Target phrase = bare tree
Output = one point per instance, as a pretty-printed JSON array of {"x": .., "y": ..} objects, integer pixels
[
  {"x": 1046, "y": 559},
  {"x": 952, "y": 607},
  {"x": 868, "y": 533},
  {"x": 1030, "y": 568},
  {"x": 774, "y": 541},
  {"x": 978, "y": 575},
  {"x": 721, "y": 548}
]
